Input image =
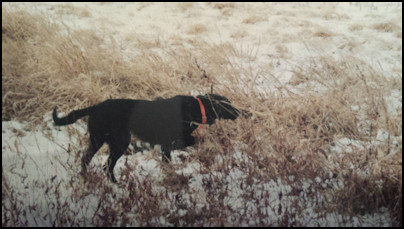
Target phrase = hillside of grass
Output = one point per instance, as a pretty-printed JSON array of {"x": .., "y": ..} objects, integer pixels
[{"x": 330, "y": 133}]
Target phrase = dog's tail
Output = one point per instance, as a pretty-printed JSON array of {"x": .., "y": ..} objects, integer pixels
[{"x": 72, "y": 117}]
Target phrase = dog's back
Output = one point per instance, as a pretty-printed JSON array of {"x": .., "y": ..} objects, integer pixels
[
  {"x": 162, "y": 121},
  {"x": 157, "y": 122}
]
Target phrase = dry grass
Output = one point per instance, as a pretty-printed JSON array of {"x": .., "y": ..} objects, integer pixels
[
  {"x": 71, "y": 10},
  {"x": 253, "y": 19},
  {"x": 323, "y": 33},
  {"x": 292, "y": 131},
  {"x": 197, "y": 29},
  {"x": 388, "y": 27},
  {"x": 227, "y": 9},
  {"x": 356, "y": 27}
]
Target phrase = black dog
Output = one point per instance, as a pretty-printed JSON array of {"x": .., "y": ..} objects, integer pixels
[{"x": 168, "y": 122}]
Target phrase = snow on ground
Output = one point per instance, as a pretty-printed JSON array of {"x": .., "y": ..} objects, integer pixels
[
  {"x": 32, "y": 162},
  {"x": 296, "y": 31},
  {"x": 284, "y": 35}
]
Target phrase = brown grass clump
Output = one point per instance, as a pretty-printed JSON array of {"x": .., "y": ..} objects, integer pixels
[
  {"x": 294, "y": 130},
  {"x": 197, "y": 29},
  {"x": 356, "y": 27},
  {"x": 387, "y": 27},
  {"x": 71, "y": 10},
  {"x": 323, "y": 33},
  {"x": 223, "y": 5},
  {"x": 253, "y": 19}
]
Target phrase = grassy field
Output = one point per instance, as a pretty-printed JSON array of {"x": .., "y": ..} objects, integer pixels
[{"x": 329, "y": 134}]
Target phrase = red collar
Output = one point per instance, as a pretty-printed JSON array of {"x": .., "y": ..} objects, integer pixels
[{"x": 202, "y": 111}]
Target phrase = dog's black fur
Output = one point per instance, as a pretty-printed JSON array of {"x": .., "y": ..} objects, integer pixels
[{"x": 167, "y": 122}]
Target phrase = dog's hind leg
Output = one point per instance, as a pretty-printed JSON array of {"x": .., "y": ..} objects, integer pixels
[
  {"x": 112, "y": 159},
  {"x": 95, "y": 145},
  {"x": 116, "y": 151}
]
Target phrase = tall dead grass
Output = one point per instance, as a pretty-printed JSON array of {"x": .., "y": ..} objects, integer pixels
[
  {"x": 291, "y": 132},
  {"x": 43, "y": 66}
]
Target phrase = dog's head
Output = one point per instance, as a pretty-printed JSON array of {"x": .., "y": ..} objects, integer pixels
[{"x": 218, "y": 107}]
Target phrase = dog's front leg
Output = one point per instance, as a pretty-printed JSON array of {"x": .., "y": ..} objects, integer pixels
[{"x": 189, "y": 140}]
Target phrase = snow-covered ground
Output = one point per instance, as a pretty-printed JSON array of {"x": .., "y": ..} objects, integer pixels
[
  {"x": 296, "y": 31},
  {"x": 287, "y": 34},
  {"x": 37, "y": 165}
]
